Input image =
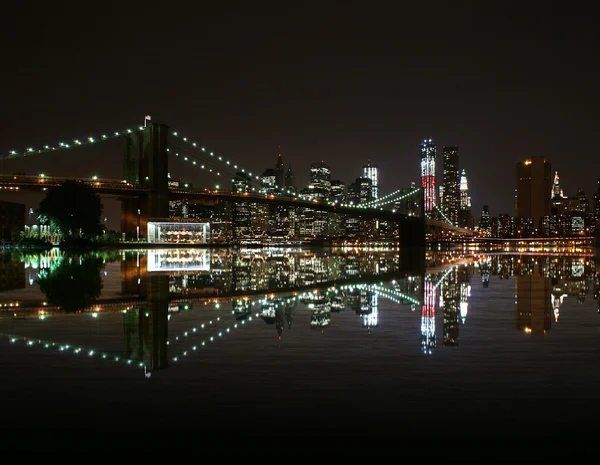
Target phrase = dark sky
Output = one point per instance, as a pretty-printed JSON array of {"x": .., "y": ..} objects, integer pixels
[{"x": 340, "y": 82}]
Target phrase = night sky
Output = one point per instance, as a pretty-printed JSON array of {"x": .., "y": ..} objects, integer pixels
[{"x": 332, "y": 81}]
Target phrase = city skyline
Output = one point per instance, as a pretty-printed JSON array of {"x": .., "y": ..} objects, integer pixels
[{"x": 324, "y": 89}]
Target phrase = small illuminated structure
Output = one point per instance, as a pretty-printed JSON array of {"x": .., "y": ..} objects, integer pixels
[{"x": 175, "y": 232}]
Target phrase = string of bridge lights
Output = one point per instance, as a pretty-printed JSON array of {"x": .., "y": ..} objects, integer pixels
[
  {"x": 218, "y": 157},
  {"x": 443, "y": 215},
  {"x": 386, "y": 292},
  {"x": 391, "y": 197},
  {"x": 194, "y": 331},
  {"x": 210, "y": 339},
  {"x": 73, "y": 350},
  {"x": 79, "y": 142},
  {"x": 228, "y": 163}
]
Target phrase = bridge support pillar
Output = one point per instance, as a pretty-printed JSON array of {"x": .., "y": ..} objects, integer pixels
[
  {"x": 412, "y": 232},
  {"x": 146, "y": 164}
]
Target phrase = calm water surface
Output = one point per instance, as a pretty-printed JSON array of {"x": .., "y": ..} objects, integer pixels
[{"x": 280, "y": 345}]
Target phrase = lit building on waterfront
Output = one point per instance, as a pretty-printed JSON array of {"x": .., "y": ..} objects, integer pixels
[
  {"x": 428, "y": 153},
  {"x": 338, "y": 191},
  {"x": 450, "y": 187},
  {"x": 268, "y": 181},
  {"x": 533, "y": 190},
  {"x": 465, "y": 217},
  {"x": 320, "y": 180},
  {"x": 372, "y": 172},
  {"x": 485, "y": 222}
]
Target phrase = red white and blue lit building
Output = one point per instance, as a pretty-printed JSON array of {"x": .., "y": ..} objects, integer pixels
[{"x": 428, "y": 153}]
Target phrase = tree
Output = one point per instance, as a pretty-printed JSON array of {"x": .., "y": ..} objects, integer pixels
[{"x": 73, "y": 208}]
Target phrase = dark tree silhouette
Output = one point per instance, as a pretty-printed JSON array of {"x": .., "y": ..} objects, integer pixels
[
  {"x": 72, "y": 286},
  {"x": 74, "y": 208}
]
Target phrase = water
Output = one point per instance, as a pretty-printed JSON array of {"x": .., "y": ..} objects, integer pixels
[{"x": 276, "y": 345}]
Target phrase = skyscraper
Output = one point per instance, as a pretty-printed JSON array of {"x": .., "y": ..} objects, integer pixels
[
  {"x": 465, "y": 217},
  {"x": 465, "y": 199},
  {"x": 428, "y": 153},
  {"x": 485, "y": 222},
  {"x": 280, "y": 172},
  {"x": 533, "y": 189},
  {"x": 320, "y": 180},
  {"x": 372, "y": 172},
  {"x": 451, "y": 184},
  {"x": 290, "y": 181}
]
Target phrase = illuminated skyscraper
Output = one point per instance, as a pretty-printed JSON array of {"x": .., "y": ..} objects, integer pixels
[
  {"x": 320, "y": 180},
  {"x": 533, "y": 189},
  {"x": 465, "y": 200},
  {"x": 372, "y": 172},
  {"x": 451, "y": 184},
  {"x": 428, "y": 153},
  {"x": 556, "y": 190},
  {"x": 485, "y": 222}
]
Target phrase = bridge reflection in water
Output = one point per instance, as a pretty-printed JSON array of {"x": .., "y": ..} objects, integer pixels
[{"x": 169, "y": 303}]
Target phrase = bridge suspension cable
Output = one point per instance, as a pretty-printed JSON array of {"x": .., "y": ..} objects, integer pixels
[
  {"x": 204, "y": 152},
  {"x": 73, "y": 143},
  {"x": 392, "y": 197}
]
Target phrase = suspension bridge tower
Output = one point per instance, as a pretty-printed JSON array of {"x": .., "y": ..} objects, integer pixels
[{"x": 146, "y": 165}]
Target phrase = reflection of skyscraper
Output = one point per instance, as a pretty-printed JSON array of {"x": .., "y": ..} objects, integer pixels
[
  {"x": 464, "y": 278},
  {"x": 428, "y": 317},
  {"x": 369, "y": 308},
  {"x": 451, "y": 300},
  {"x": 533, "y": 308}
]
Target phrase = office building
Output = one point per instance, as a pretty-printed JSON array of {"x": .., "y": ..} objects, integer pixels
[
  {"x": 533, "y": 189},
  {"x": 428, "y": 153},
  {"x": 451, "y": 185},
  {"x": 372, "y": 172}
]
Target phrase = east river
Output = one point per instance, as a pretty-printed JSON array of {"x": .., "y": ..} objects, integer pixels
[{"x": 282, "y": 349}]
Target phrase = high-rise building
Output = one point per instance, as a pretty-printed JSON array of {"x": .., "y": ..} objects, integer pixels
[
  {"x": 533, "y": 188},
  {"x": 465, "y": 199},
  {"x": 290, "y": 181},
  {"x": 268, "y": 181},
  {"x": 428, "y": 153},
  {"x": 338, "y": 191},
  {"x": 465, "y": 217},
  {"x": 451, "y": 184},
  {"x": 372, "y": 172},
  {"x": 485, "y": 222},
  {"x": 559, "y": 201},
  {"x": 320, "y": 180},
  {"x": 279, "y": 172},
  {"x": 556, "y": 190},
  {"x": 242, "y": 182}
]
